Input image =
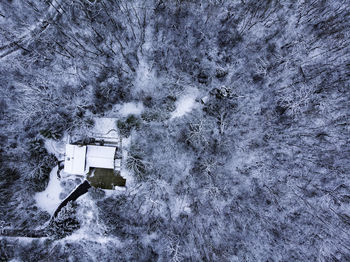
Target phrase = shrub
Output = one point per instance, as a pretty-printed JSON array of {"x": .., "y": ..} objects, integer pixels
[
  {"x": 228, "y": 38},
  {"x": 136, "y": 163},
  {"x": 169, "y": 103},
  {"x": 54, "y": 134},
  {"x": 65, "y": 222},
  {"x": 131, "y": 122},
  {"x": 148, "y": 101},
  {"x": 40, "y": 164},
  {"x": 97, "y": 193},
  {"x": 40, "y": 173}
]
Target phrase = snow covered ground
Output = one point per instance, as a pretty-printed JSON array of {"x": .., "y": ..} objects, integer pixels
[
  {"x": 105, "y": 128},
  {"x": 56, "y": 147},
  {"x": 146, "y": 79},
  {"x": 131, "y": 108},
  {"x": 103, "y": 125},
  {"x": 186, "y": 103},
  {"x": 125, "y": 109},
  {"x": 90, "y": 228},
  {"x": 179, "y": 205},
  {"x": 124, "y": 171},
  {"x": 49, "y": 199}
]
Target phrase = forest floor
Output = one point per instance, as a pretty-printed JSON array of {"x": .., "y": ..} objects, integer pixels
[
  {"x": 186, "y": 103},
  {"x": 49, "y": 199}
]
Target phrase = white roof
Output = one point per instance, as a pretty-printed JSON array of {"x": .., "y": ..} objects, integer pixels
[
  {"x": 100, "y": 156},
  {"x": 79, "y": 159},
  {"x": 74, "y": 161}
]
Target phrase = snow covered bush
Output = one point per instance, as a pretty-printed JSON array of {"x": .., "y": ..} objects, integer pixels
[
  {"x": 136, "y": 163},
  {"x": 128, "y": 124},
  {"x": 65, "y": 222},
  {"x": 40, "y": 163}
]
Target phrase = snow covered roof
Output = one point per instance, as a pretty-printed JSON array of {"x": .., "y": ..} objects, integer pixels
[
  {"x": 79, "y": 159},
  {"x": 100, "y": 156},
  {"x": 74, "y": 161}
]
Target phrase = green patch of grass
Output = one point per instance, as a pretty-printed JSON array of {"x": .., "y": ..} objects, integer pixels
[{"x": 105, "y": 178}]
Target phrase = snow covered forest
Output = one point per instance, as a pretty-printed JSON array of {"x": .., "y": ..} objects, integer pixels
[{"x": 239, "y": 143}]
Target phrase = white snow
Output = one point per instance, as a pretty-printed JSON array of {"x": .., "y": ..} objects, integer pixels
[
  {"x": 49, "y": 199},
  {"x": 56, "y": 148},
  {"x": 146, "y": 79},
  {"x": 186, "y": 103},
  {"x": 91, "y": 229},
  {"x": 131, "y": 109},
  {"x": 81, "y": 235},
  {"x": 149, "y": 238},
  {"x": 179, "y": 205},
  {"x": 103, "y": 126},
  {"x": 23, "y": 240},
  {"x": 126, "y": 142}
]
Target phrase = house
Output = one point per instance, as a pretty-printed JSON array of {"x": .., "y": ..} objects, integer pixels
[
  {"x": 96, "y": 156},
  {"x": 80, "y": 159}
]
